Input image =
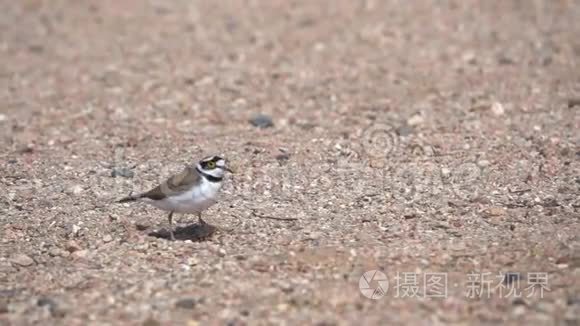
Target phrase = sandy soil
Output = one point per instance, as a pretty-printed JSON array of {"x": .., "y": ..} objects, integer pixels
[{"x": 409, "y": 137}]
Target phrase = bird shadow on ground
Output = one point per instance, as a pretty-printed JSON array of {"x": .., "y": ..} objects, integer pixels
[{"x": 193, "y": 232}]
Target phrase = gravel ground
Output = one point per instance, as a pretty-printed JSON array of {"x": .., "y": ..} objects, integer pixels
[{"x": 419, "y": 138}]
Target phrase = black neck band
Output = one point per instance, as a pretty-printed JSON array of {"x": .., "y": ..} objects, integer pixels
[{"x": 208, "y": 176}]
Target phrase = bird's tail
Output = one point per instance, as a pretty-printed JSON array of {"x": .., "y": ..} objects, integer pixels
[{"x": 128, "y": 199}]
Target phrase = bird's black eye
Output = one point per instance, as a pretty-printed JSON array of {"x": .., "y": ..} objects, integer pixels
[{"x": 210, "y": 165}]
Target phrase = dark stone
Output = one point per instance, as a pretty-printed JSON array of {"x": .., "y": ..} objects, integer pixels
[
  {"x": 262, "y": 121},
  {"x": 519, "y": 302},
  {"x": 241, "y": 257},
  {"x": 573, "y": 301},
  {"x": 504, "y": 60},
  {"x": 187, "y": 303},
  {"x": 44, "y": 301},
  {"x": 573, "y": 102},
  {"x": 141, "y": 227},
  {"x": 28, "y": 149},
  {"x": 4, "y": 308},
  {"x": 53, "y": 307},
  {"x": 283, "y": 157}
]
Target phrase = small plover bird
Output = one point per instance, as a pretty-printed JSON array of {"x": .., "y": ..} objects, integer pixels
[{"x": 191, "y": 192}]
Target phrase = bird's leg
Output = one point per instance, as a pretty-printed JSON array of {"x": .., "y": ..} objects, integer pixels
[
  {"x": 200, "y": 220},
  {"x": 170, "y": 218}
]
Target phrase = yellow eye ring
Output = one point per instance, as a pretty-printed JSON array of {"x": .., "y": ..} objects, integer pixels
[{"x": 211, "y": 165}]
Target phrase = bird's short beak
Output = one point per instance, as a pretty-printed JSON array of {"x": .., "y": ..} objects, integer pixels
[{"x": 229, "y": 170}]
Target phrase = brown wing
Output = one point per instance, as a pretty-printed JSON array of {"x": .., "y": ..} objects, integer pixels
[{"x": 174, "y": 185}]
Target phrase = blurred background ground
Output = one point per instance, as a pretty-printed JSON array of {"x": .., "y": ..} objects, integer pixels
[{"x": 409, "y": 137}]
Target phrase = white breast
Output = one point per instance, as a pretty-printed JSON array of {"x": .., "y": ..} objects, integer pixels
[{"x": 195, "y": 200}]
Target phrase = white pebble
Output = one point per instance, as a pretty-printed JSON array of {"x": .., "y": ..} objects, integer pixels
[
  {"x": 75, "y": 189},
  {"x": 416, "y": 120},
  {"x": 497, "y": 109},
  {"x": 483, "y": 163}
]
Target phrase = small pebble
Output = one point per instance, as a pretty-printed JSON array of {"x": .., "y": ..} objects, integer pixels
[
  {"x": 494, "y": 215},
  {"x": 519, "y": 302},
  {"x": 283, "y": 157},
  {"x": 80, "y": 253},
  {"x": 519, "y": 311},
  {"x": 57, "y": 252},
  {"x": 573, "y": 102},
  {"x": 151, "y": 322},
  {"x": 3, "y": 117},
  {"x": 415, "y": 120},
  {"x": 314, "y": 236},
  {"x": 27, "y": 149},
  {"x": 573, "y": 301},
  {"x": 497, "y": 109},
  {"x": 107, "y": 238},
  {"x": 122, "y": 172},
  {"x": 53, "y": 307},
  {"x": 405, "y": 130},
  {"x": 21, "y": 260},
  {"x": 483, "y": 163},
  {"x": 75, "y": 229},
  {"x": 75, "y": 190},
  {"x": 282, "y": 307},
  {"x": 44, "y": 301},
  {"x": 262, "y": 121},
  {"x": 36, "y": 48},
  {"x": 505, "y": 60},
  {"x": 72, "y": 246},
  {"x": 4, "y": 308},
  {"x": 187, "y": 303},
  {"x": 141, "y": 227}
]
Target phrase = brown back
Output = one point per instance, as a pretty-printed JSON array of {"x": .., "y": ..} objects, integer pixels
[{"x": 175, "y": 185}]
